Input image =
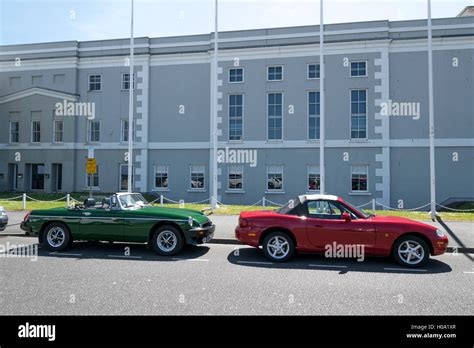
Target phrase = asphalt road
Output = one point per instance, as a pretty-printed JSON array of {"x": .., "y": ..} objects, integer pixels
[{"x": 97, "y": 278}]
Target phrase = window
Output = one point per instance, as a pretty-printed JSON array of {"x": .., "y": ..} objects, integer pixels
[
  {"x": 58, "y": 176},
  {"x": 236, "y": 177},
  {"x": 236, "y": 75},
  {"x": 359, "y": 178},
  {"x": 275, "y": 178},
  {"x": 124, "y": 131},
  {"x": 197, "y": 177},
  {"x": 275, "y": 73},
  {"x": 95, "y": 82},
  {"x": 313, "y": 71},
  {"x": 37, "y": 176},
  {"x": 94, "y": 178},
  {"x": 93, "y": 131},
  {"x": 236, "y": 106},
  {"x": 314, "y": 178},
  {"x": 58, "y": 79},
  {"x": 37, "y": 80},
  {"x": 35, "y": 131},
  {"x": 14, "y": 131},
  {"x": 123, "y": 177},
  {"x": 358, "y": 69},
  {"x": 275, "y": 116},
  {"x": 58, "y": 130},
  {"x": 324, "y": 210},
  {"x": 358, "y": 114},
  {"x": 161, "y": 177},
  {"x": 313, "y": 115},
  {"x": 126, "y": 81}
]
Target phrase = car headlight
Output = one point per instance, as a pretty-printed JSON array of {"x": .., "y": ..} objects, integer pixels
[
  {"x": 190, "y": 221},
  {"x": 440, "y": 233}
]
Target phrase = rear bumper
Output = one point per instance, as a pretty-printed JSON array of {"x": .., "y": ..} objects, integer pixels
[
  {"x": 200, "y": 235},
  {"x": 24, "y": 226},
  {"x": 3, "y": 223},
  {"x": 247, "y": 235}
]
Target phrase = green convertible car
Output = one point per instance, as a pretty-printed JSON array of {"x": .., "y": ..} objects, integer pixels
[{"x": 123, "y": 217}]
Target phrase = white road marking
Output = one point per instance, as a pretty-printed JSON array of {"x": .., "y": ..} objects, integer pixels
[
  {"x": 332, "y": 266},
  {"x": 125, "y": 257},
  {"x": 178, "y": 259},
  {"x": 467, "y": 272},
  {"x": 256, "y": 262},
  {"x": 64, "y": 254},
  {"x": 404, "y": 269}
]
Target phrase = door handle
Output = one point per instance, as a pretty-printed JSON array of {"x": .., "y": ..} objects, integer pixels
[
  {"x": 86, "y": 213},
  {"x": 318, "y": 226}
]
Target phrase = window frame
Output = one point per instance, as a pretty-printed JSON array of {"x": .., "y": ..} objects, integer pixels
[
  {"x": 359, "y": 61},
  {"x": 307, "y": 71},
  {"x": 308, "y": 174},
  {"x": 97, "y": 174},
  {"x": 89, "y": 131},
  {"x": 155, "y": 168},
  {"x": 241, "y": 176},
  {"x": 282, "y": 116},
  {"x": 352, "y": 166},
  {"x": 122, "y": 132},
  {"x": 318, "y": 116},
  {"x": 89, "y": 83},
  {"x": 267, "y": 189},
  {"x": 199, "y": 189},
  {"x": 241, "y": 117},
  {"x": 10, "y": 133},
  {"x": 351, "y": 139},
  {"x": 235, "y": 68},
  {"x": 122, "y": 81},
  {"x": 33, "y": 131},
  {"x": 276, "y": 66},
  {"x": 55, "y": 141}
]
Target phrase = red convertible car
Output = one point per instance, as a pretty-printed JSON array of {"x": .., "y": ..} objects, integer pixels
[{"x": 314, "y": 223}]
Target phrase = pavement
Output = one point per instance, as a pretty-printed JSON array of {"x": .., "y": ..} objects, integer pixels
[
  {"x": 98, "y": 278},
  {"x": 461, "y": 234}
]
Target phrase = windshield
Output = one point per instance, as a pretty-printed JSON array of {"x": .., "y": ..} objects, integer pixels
[
  {"x": 361, "y": 212},
  {"x": 292, "y": 203},
  {"x": 132, "y": 200}
]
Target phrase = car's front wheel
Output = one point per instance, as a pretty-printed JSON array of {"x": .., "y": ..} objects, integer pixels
[
  {"x": 167, "y": 241},
  {"x": 56, "y": 237},
  {"x": 278, "y": 246},
  {"x": 411, "y": 251}
]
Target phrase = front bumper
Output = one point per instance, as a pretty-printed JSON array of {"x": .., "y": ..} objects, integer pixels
[
  {"x": 200, "y": 235},
  {"x": 440, "y": 245},
  {"x": 3, "y": 222}
]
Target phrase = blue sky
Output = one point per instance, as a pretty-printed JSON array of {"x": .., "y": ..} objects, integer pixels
[{"x": 30, "y": 21}]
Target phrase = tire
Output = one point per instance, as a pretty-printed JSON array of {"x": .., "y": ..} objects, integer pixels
[
  {"x": 411, "y": 251},
  {"x": 278, "y": 253},
  {"x": 56, "y": 237},
  {"x": 167, "y": 241}
]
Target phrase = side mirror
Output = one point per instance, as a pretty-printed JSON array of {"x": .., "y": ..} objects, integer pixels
[{"x": 346, "y": 217}]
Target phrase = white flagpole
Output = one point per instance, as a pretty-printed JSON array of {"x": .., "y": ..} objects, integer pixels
[
  {"x": 214, "y": 102},
  {"x": 130, "y": 109},
  {"x": 431, "y": 118},
  {"x": 322, "y": 164}
]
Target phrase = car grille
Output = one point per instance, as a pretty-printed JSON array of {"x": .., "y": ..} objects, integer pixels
[{"x": 207, "y": 224}]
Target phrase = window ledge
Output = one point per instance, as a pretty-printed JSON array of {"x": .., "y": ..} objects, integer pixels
[
  {"x": 160, "y": 190},
  {"x": 197, "y": 191},
  {"x": 274, "y": 192},
  {"x": 362, "y": 140},
  {"x": 313, "y": 192},
  {"x": 93, "y": 189},
  {"x": 234, "y": 191},
  {"x": 360, "y": 193}
]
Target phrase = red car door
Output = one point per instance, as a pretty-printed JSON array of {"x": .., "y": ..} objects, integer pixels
[{"x": 325, "y": 226}]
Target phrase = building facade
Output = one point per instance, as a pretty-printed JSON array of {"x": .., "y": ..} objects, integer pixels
[{"x": 376, "y": 102}]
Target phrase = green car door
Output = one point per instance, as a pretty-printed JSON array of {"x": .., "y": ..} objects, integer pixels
[{"x": 102, "y": 224}]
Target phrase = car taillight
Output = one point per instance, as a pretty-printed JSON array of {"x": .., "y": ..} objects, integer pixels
[
  {"x": 26, "y": 216},
  {"x": 243, "y": 222}
]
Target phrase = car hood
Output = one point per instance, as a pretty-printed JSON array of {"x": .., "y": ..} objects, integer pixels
[
  {"x": 401, "y": 221},
  {"x": 177, "y": 213}
]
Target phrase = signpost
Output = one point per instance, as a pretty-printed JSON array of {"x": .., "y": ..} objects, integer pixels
[{"x": 91, "y": 168}]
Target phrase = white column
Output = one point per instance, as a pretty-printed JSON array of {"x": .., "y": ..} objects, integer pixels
[
  {"x": 431, "y": 118},
  {"x": 130, "y": 108},
  {"x": 322, "y": 164},
  {"x": 214, "y": 102}
]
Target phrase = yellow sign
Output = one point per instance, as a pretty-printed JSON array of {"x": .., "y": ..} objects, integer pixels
[{"x": 91, "y": 166}]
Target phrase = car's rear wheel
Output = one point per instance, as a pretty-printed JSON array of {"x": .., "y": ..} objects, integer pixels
[
  {"x": 411, "y": 251},
  {"x": 56, "y": 237},
  {"x": 167, "y": 241},
  {"x": 278, "y": 246}
]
